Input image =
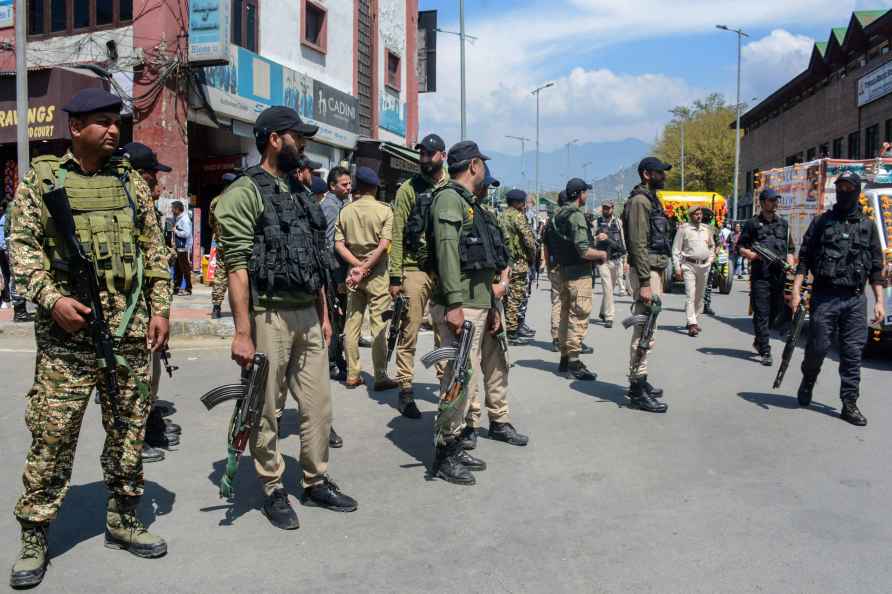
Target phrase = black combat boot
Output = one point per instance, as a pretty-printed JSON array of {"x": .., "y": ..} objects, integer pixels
[
  {"x": 579, "y": 371},
  {"x": 767, "y": 361},
  {"x": 30, "y": 567},
  {"x": 334, "y": 440},
  {"x": 171, "y": 427},
  {"x": 806, "y": 387},
  {"x": 652, "y": 391},
  {"x": 448, "y": 467},
  {"x": 279, "y": 512},
  {"x": 526, "y": 331},
  {"x": 562, "y": 366},
  {"x": 150, "y": 454},
  {"x": 327, "y": 494},
  {"x": 608, "y": 324},
  {"x": 515, "y": 339},
  {"x": 406, "y": 404},
  {"x": 851, "y": 414},
  {"x": 470, "y": 462},
  {"x": 640, "y": 399},
  {"x": 507, "y": 433},
  {"x": 21, "y": 313},
  {"x": 555, "y": 346},
  {"x": 468, "y": 438},
  {"x": 586, "y": 350},
  {"x": 216, "y": 312}
]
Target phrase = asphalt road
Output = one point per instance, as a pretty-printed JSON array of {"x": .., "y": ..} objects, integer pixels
[{"x": 734, "y": 490}]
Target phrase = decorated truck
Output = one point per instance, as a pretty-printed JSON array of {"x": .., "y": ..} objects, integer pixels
[
  {"x": 677, "y": 205},
  {"x": 808, "y": 189}
]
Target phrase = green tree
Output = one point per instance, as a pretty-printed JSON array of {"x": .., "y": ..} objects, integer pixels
[{"x": 709, "y": 146}]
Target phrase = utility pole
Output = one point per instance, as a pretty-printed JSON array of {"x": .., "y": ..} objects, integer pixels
[
  {"x": 585, "y": 167},
  {"x": 21, "y": 86},
  {"x": 740, "y": 35},
  {"x": 461, "y": 36},
  {"x": 523, "y": 170},
  {"x": 537, "y": 91},
  {"x": 683, "y": 114},
  {"x": 569, "y": 160}
]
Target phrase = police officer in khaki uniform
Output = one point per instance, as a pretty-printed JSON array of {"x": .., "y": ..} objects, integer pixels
[
  {"x": 693, "y": 252},
  {"x": 362, "y": 237},
  {"x": 576, "y": 253}
]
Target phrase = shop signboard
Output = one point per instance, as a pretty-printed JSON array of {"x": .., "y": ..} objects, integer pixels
[
  {"x": 874, "y": 85},
  {"x": 7, "y": 14},
  {"x": 209, "y": 31},
  {"x": 250, "y": 83},
  {"x": 392, "y": 113}
]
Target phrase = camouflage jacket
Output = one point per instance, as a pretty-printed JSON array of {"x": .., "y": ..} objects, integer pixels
[
  {"x": 520, "y": 239},
  {"x": 34, "y": 276}
]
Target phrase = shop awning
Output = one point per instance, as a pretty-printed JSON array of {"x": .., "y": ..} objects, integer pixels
[{"x": 48, "y": 91}]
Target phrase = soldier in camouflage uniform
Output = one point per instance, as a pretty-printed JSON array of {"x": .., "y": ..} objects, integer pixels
[
  {"x": 221, "y": 279},
  {"x": 522, "y": 248},
  {"x": 136, "y": 294}
]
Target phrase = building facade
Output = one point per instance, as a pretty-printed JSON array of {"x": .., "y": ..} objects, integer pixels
[{"x": 839, "y": 107}]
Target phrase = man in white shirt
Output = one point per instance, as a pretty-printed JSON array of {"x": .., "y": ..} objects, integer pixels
[
  {"x": 692, "y": 254},
  {"x": 182, "y": 232}
]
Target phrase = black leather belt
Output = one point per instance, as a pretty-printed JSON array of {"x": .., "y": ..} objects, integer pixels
[{"x": 696, "y": 261}]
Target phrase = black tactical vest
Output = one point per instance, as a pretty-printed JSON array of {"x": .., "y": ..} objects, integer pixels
[
  {"x": 660, "y": 233},
  {"x": 841, "y": 251},
  {"x": 566, "y": 252},
  {"x": 416, "y": 223},
  {"x": 614, "y": 235},
  {"x": 289, "y": 241},
  {"x": 480, "y": 247},
  {"x": 550, "y": 239}
]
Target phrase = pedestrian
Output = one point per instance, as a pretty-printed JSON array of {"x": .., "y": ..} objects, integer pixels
[
  {"x": 693, "y": 252},
  {"x": 464, "y": 292},
  {"x": 842, "y": 250},
  {"x": 362, "y": 237},
  {"x": 410, "y": 212},
  {"x": 734, "y": 252},
  {"x": 340, "y": 187},
  {"x": 182, "y": 232},
  {"x": 610, "y": 229},
  {"x": 19, "y": 305},
  {"x": 104, "y": 193},
  {"x": 286, "y": 315},
  {"x": 771, "y": 231},
  {"x": 221, "y": 279},
  {"x": 576, "y": 254},
  {"x": 650, "y": 252},
  {"x": 549, "y": 257},
  {"x": 521, "y": 250},
  {"x": 4, "y": 259},
  {"x": 160, "y": 433}
]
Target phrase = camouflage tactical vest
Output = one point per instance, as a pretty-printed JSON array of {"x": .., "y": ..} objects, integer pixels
[{"x": 105, "y": 222}]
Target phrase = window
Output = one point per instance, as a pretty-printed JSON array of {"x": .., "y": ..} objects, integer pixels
[
  {"x": 824, "y": 151},
  {"x": 837, "y": 148},
  {"x": 810, "y": 154},
  {"x": 61, "y": 17},
  {"x": 394, "y": 70},
  {"x": 888, "y": 136},
  {"x": 872, "y": 141},
  {"x": 314, "y": 28},
  {"x": 855, "y": 145},
  {"x": 245, "y": 20}
]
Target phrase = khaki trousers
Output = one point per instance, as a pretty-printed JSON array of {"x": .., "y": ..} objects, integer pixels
[
  {"x": 487, "y": 361},
  {"x": 298, "y": 358},
  {"x": 611, "y": 273},
  {"x": 372, "y": 294},
  {"x": 695, "y": 276},
  {"x": 554, "y": 279},
  {"x": 576, "y": 307},
  {"x": 656, "y": 287},
  {"x": 417, "y": 287}
]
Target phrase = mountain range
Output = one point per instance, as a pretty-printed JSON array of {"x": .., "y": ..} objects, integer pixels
[{"x": 604, "y": 158}]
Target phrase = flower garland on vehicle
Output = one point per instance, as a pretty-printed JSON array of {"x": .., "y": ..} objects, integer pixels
[{"x": 678, "y": 212}]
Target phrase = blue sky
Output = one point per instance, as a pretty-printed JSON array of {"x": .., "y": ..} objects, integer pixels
[{"x": 619, "y": 66}]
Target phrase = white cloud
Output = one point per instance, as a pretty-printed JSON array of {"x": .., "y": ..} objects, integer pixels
[
  {"x": 770, "y": 62},
  {"x": 518, "y": 49}
]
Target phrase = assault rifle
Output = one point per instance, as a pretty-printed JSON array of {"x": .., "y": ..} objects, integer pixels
[
  {"x": 85, "y": 284},
  {"x": 648, "y": 322},
  {"x": 165, "y": 358},
  {"x": 460, "y": 356},
  {"x": 793, "y": 336},
  {"x": 397, "y": 319},
  {"x": 502, "y": 335},
  {"x": 770, "y": 258},
  {"x": 249, "y": 398}
]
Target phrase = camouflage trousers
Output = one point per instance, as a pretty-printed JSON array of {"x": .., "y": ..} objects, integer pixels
[
  {"x": 515, "y": 299},
  {"x": 221, "y": 284},
  {"x": 64, "y": 379}
]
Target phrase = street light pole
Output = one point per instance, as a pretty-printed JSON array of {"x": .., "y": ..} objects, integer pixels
[
  {"x": 740, "y": 35},
  {"x": 569, "y": 160},
  {"x": 464, "y": 115},
  {"x": 523, "y": 171},
  {"x": 21, "y": 87},
  {"x": 537, "y": 91}
]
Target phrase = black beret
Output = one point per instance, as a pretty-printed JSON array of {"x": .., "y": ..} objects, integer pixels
[
  {"x": 93, "y": 100},
  {"x": 367, "y": 176}
]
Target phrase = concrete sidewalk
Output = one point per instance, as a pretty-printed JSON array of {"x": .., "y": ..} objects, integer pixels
[{"x": 190, "y": 316}]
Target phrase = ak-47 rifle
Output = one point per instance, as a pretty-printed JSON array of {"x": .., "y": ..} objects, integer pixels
[
  {"x": 770, "y": 258},
  {"x": 793, "y": 336},
  {"x": 85, "y": 285},
  {"x": 397, "y": 318},
  {"x": 502, "y": 334},
  {"x": 249, "y": 398},
  {"x": 165, "y": 358},
  {"x": 460, "y": 373},
  {"x": 648, "y": 322}
]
